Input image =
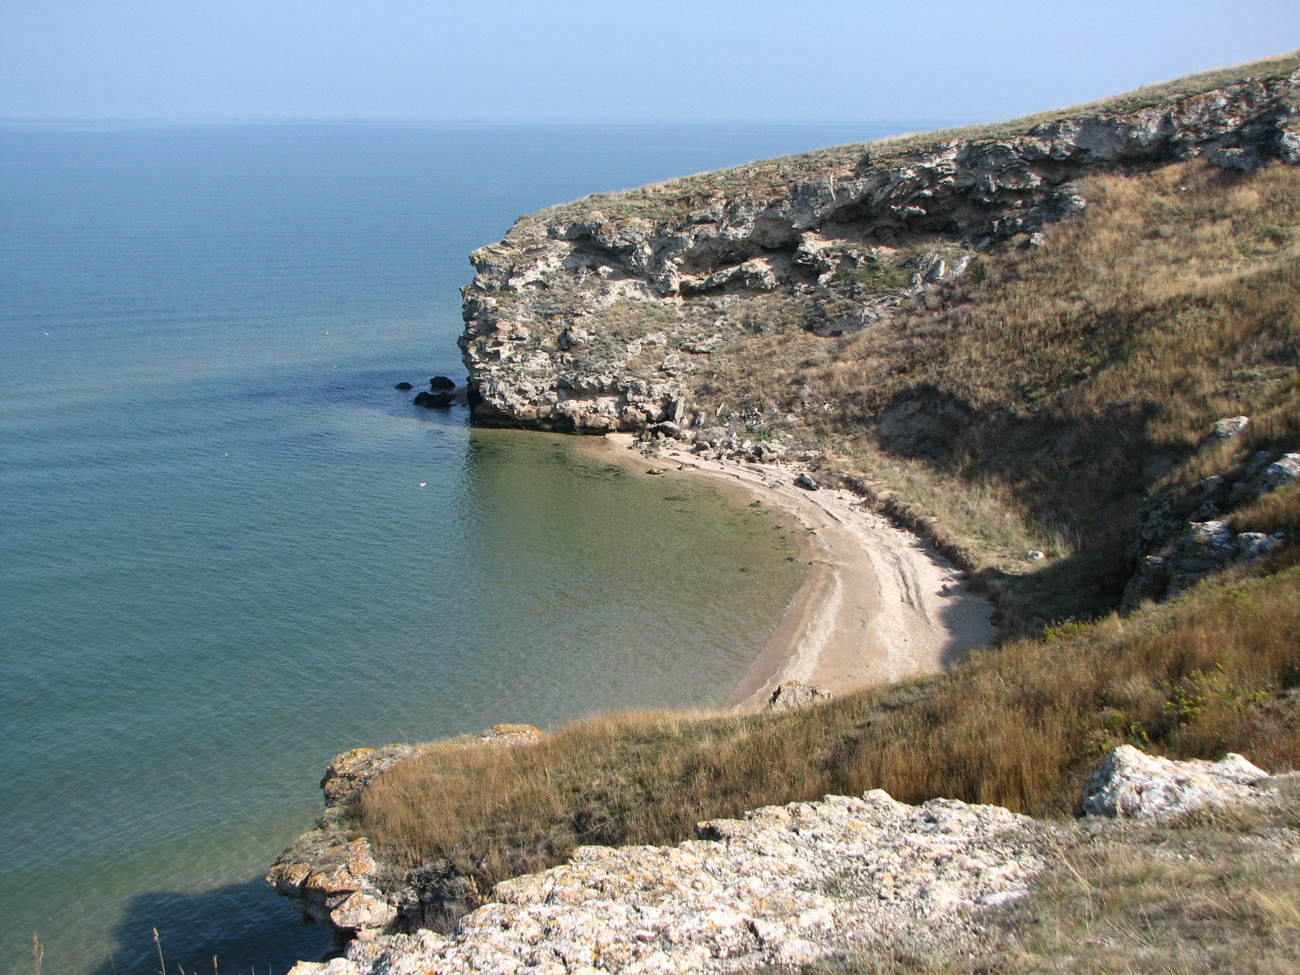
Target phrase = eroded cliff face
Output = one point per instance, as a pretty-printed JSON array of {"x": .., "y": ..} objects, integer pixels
[{"x": 605, "y": 314}]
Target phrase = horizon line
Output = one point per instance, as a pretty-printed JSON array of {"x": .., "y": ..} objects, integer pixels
[{"x": 466, "y": 120}]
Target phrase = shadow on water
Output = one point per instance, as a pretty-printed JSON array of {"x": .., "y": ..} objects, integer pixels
[{"x": 245, "y": 926}]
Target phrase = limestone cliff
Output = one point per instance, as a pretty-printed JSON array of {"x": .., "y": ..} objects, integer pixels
[{"x": 605, "y": 313}]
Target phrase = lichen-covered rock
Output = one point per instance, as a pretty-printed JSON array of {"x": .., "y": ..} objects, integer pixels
[
  {"x": 349, "y": 772},
  {"x": 331, "y": 881},
  {"x": 1136, "y": 785},
  {"x": 785, "y": 886}
]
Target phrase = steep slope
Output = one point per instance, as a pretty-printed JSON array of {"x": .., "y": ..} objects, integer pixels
[
  {"x": 602, "y": 314},
  {"x": 1009, "y": 336}
]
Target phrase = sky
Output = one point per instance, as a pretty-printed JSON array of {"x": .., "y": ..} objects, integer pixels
[{"x": 617, "y": 60}]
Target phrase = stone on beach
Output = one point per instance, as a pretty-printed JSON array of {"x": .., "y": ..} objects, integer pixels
[{"x": 796, "y": 694}]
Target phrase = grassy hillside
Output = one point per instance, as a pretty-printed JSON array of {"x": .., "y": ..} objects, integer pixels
[{"x": 1031, "y": 404}]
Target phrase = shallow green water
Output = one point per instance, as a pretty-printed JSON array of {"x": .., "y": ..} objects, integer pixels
[{"x": 231, "y": 549}]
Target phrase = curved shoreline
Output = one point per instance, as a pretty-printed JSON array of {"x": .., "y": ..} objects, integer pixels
[{"x": 878, "y": 604}]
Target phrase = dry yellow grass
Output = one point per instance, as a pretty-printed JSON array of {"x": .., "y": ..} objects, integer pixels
[
  {"x": 1216, "y": 894},
  {"x": 1018, "y": 726},
  {"x": 1075, "y": 377}
]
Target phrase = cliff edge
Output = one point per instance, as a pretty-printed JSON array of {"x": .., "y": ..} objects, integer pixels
[
  {"x": 854, "y": 883},
  {"x": 609, "y": 313}
]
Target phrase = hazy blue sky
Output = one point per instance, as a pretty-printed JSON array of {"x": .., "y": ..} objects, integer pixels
[{"x": 569, "y": 59}]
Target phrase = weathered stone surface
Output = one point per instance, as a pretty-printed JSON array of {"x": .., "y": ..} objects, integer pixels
[
  {"x": 796, "y": 694},
  {"x": 1285, "y": 470},
  {"x": 441, "y": 383},
  {"x": 327, "y": 877},
  {"x": 1132, "y": 784},
  {"x": 331, "y": 881},
  {"x": 1245, "y": 160},
  {"x": 1181, "y": 540},
  {"x": 784, "y": 886},
  {"x": 1229, "y": 427},
  {"x": 560, "y": 315},
  {"x": 1253, "y": 545},
  {"x": 349, "y": 772}
]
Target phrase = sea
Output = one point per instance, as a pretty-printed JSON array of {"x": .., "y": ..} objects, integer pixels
[{"x": 230, "y": 548}]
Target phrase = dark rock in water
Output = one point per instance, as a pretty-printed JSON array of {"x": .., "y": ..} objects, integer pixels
[
  {"x": 433, "y": 401},
  {"x": 403, "y": 386},
  {"x": 806, "y": 482},
  {"x": 441, "y": 382}
]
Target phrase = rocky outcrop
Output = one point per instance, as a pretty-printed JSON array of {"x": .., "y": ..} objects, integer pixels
[
  {"x": 1184, "y": 537},
  {"x": 333, "y": 879},
  {"x": 785, "y": 886},
  {"x": 603, "y": 314},
  {"x": 788, "y": 886},
  {"x": 329, "y": 878},
  {"x": 352, "y": 770},
  {"x": 1134, "y": 785},
  {"x": 433, "y": 401},
  {"x": 796, "y": 694}
]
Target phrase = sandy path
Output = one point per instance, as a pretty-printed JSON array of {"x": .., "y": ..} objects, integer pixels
[{"x": 878, "y": 603}]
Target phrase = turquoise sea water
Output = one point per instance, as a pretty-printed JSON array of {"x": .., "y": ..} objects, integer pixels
[{"x": 229, "y": 549}]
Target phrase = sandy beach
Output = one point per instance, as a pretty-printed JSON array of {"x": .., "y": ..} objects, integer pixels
[{"x": 878, "y": 604}]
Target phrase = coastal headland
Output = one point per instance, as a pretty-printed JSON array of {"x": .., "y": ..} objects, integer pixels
[{"x": 1062, "y": 349}]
